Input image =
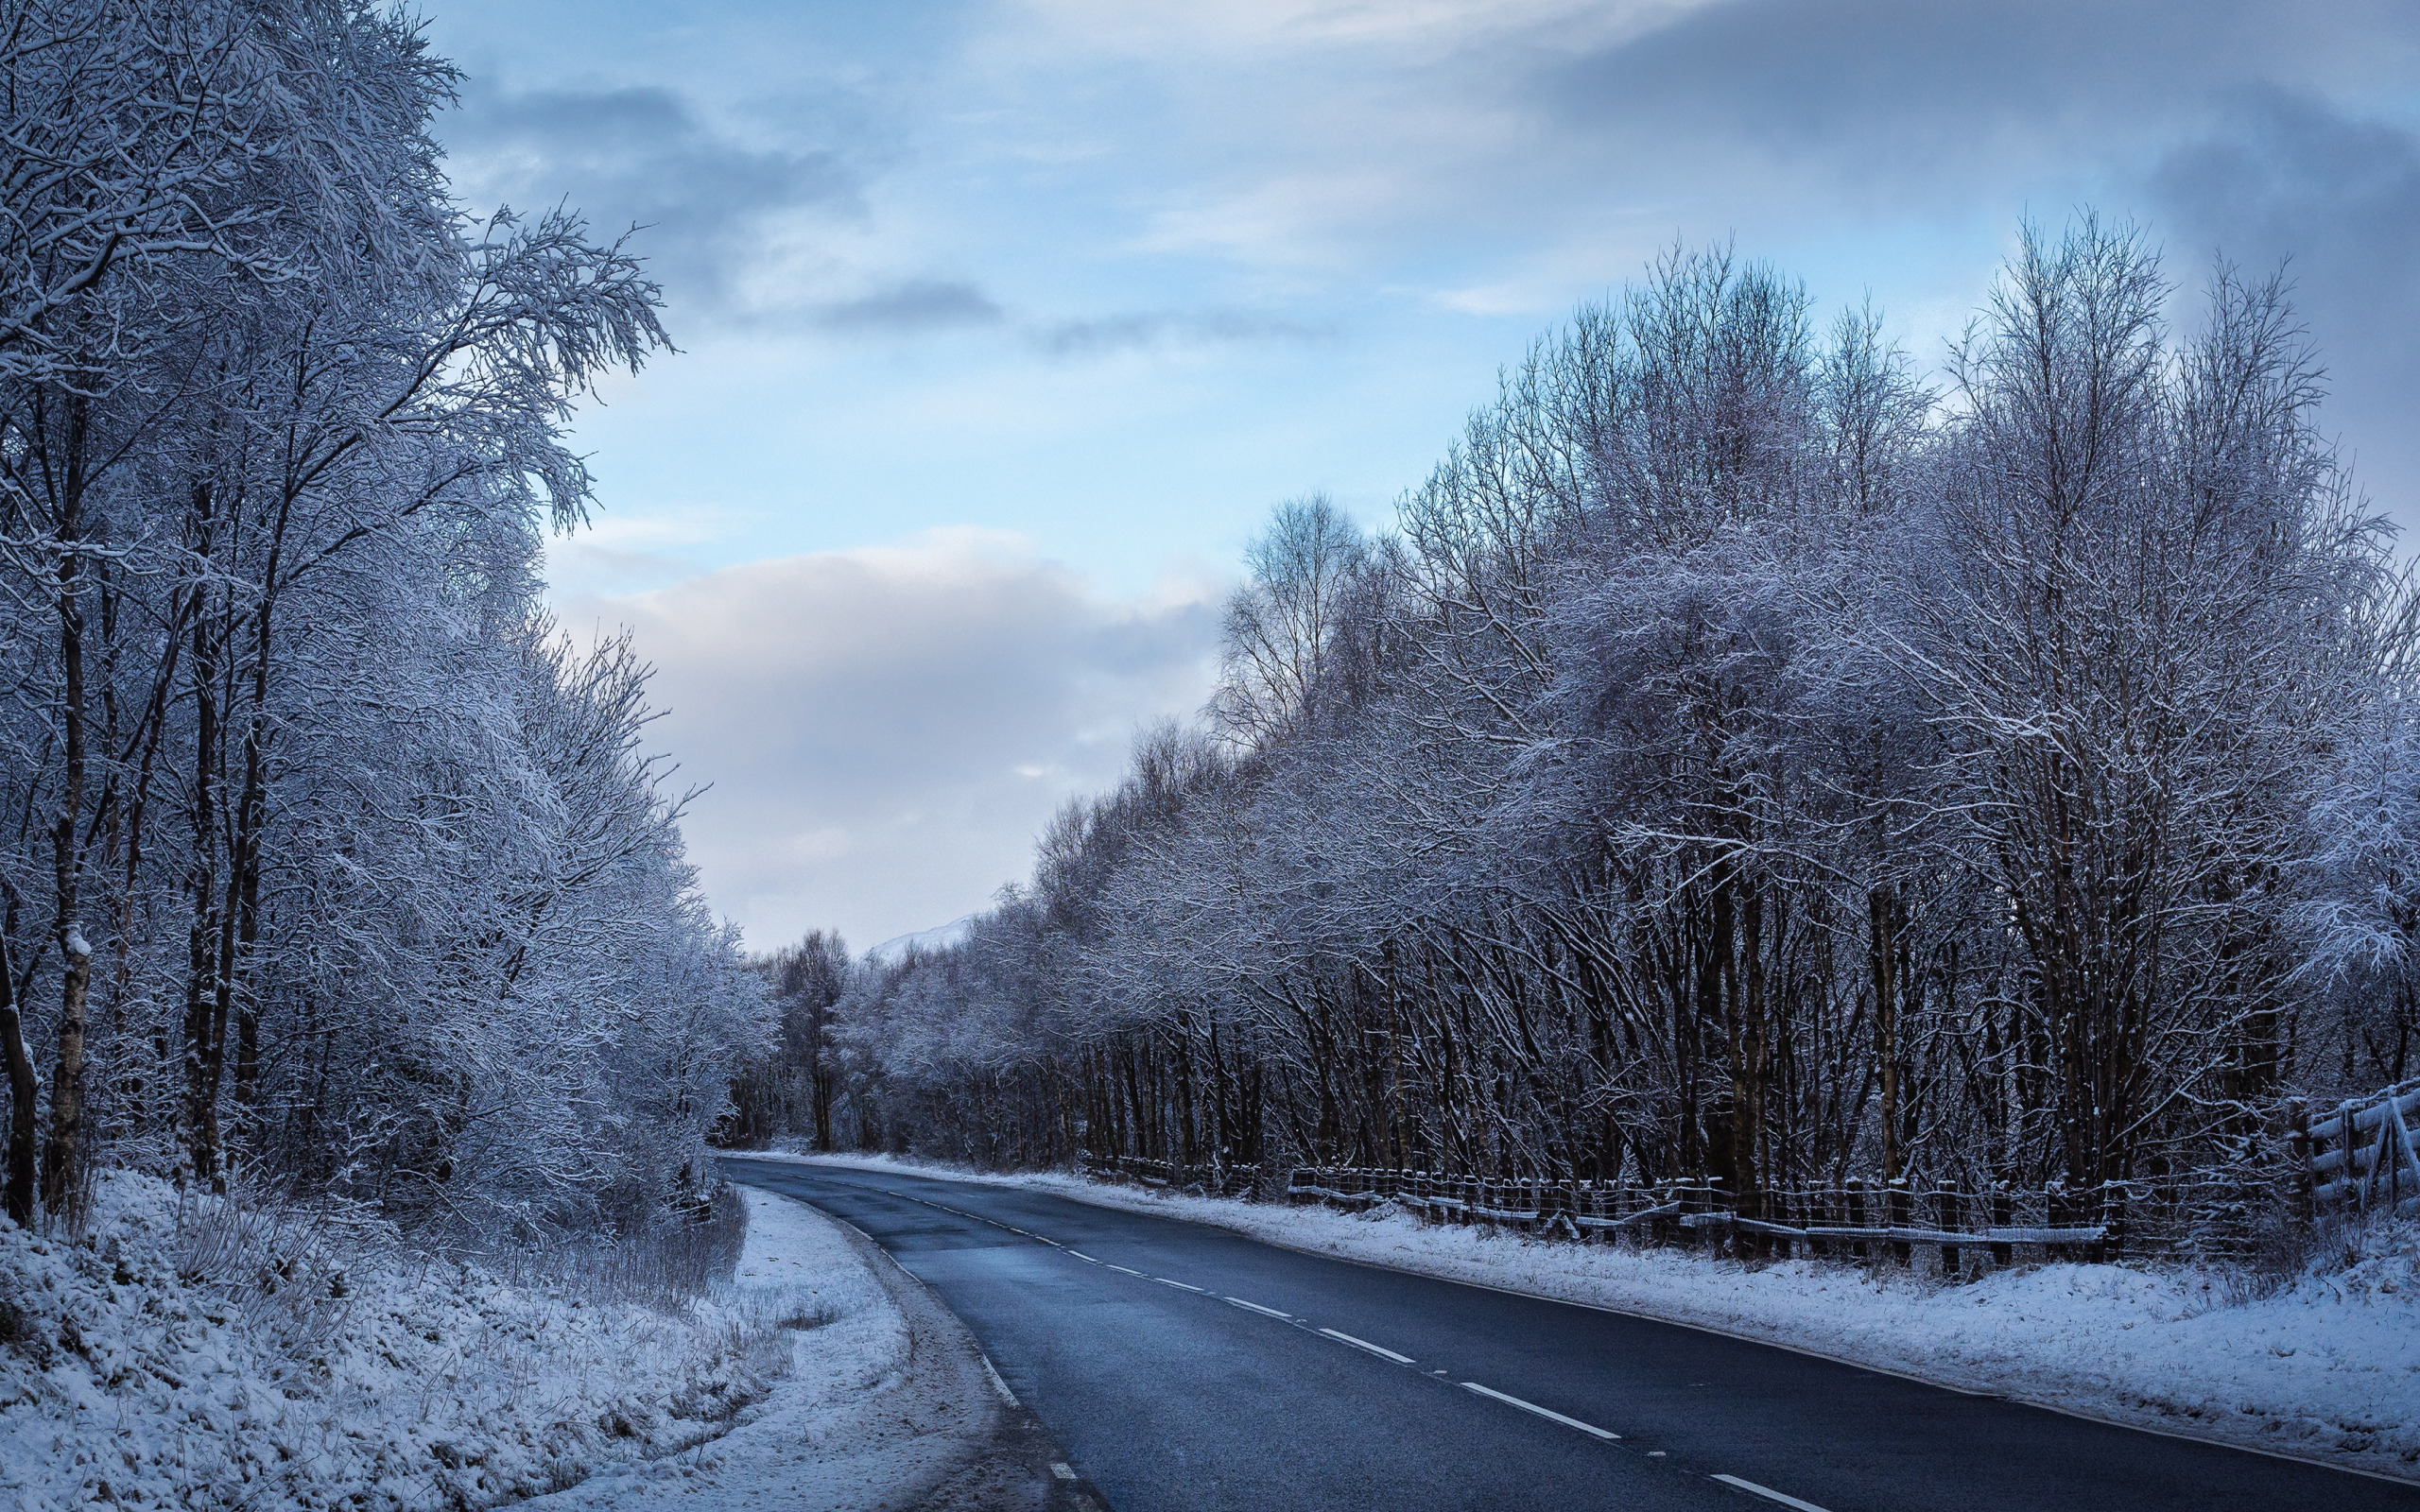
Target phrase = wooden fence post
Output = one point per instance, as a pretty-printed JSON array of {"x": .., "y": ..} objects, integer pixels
[{"x": 2298, "y": 1150}]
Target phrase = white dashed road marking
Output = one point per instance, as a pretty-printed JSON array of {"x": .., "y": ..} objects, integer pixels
[
  {"x": 1768, "y": 1493},
  {"x": 1364, "y": 1344},
  {"x": 1124, "y": 1271},
  {"x": 1086, "y": 1259},
  {"x": 1180, "y": 1285},
  {"x": 1063, "y": 1473},
  {"x": 1258, "y": 1308},
  {"x": 1553, "y": 1415}
]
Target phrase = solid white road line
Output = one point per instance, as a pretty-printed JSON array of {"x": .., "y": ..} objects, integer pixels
[
  {"x": 1258, "y": 1308},
  {"x": 1549, "y": 1413},
  {"x": 1180, "y": 1285},
  {"x": 1768, "y": 1493},
  {"x": 1364, "y": 1344},
  {"x": 997, "y": 1384}
]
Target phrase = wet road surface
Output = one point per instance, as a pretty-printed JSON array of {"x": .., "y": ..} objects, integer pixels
[{"x": 1188, "y": 1368}]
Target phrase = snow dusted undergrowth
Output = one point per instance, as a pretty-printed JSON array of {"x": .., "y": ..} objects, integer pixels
[
  {"x": 2326, "y": 1368},
  {"x": 806, "y": 1445},
  {"x": 150, "y": 1366}
]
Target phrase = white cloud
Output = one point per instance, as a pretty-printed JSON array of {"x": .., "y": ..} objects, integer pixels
[{"x": 888, "y": 728}]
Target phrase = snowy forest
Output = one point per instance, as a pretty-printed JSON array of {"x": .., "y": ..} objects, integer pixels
[
  {"x": 1751, "y": 757},
  {"x": 329, "y": 866}
]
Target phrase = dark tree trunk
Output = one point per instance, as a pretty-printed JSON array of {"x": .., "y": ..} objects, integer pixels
[
  {"x": 24, "y": 1089},
  {"x": 65, "y": 1153}
]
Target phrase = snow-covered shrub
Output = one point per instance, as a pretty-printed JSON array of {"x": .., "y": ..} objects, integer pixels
[{"x": 190, "y": 1353}]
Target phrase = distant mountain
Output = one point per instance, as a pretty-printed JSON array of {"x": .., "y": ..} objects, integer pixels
[{"x": 941, "y": 936}]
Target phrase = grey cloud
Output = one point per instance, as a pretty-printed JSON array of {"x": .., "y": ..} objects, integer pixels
[
  {"x": 645, "y": 154},
  {"x": 888, "y": 729},
  {"x": 1906, "y": 98},
  {"x": 1141, "y": 331},
  {"x": 2234, "y": 125},
  {"x": 2291, "y": 176},
  {"x": 2337, "y": 197},
  {"x": 915, "y": 305}
]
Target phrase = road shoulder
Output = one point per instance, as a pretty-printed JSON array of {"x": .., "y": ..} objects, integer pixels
[
  {"x": 986, "y": 1453},
  {"x": 888, "y": 1406}
]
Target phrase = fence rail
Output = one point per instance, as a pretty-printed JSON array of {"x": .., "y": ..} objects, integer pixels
[
  {"x": 2361, "y": 1156},
  {"x": 2208, "y": 1214},
  {"x": 1211, "y": 1180}
]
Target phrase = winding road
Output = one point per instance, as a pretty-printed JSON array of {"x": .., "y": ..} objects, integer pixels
[{"x": 1186, "y": 1368}]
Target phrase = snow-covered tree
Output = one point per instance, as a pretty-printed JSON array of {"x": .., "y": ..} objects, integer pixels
[
  {"x": 329, "y": 855},
  {"x": 1744, "y": 764}
]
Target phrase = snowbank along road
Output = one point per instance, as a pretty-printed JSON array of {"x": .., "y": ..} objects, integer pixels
[{"x": 1187, "y": 1368}]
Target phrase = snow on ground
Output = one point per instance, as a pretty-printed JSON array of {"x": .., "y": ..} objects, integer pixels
[
  {"x": 218, "y": 1361},
  {"x": 2324, "y": 1368},
  {"x": 806, "y": 1446}
]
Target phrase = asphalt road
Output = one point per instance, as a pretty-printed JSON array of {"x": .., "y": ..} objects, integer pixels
[{"x": 1185, "y": 1368}]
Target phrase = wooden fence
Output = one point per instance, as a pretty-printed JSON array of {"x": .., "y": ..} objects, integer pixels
[
  {"x": 2361, "y": 1156},
  {"x": 1210, "y": 1180},
  {"x": 1955, "y": 1229}
]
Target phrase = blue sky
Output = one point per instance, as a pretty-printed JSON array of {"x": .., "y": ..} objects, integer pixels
[{"x": 1005, "y": 324}]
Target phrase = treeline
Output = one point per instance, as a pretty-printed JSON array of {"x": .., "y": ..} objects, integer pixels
[
  {"x": 325, "y": 858},
  {"x": 1746, "y": 761}
]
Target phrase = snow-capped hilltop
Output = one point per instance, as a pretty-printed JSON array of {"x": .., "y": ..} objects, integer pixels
[{"x": 939, "y": 938}]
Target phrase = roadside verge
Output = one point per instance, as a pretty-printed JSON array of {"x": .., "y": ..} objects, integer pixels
[{"x": 885, "y": 1407}]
